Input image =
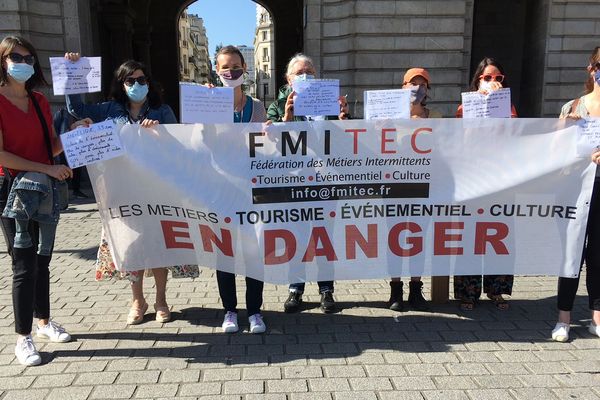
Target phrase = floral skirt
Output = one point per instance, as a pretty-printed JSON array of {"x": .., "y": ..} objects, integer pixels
[
  {"x": 106, "y": 268},
  {"x": 469, "y": 286}
]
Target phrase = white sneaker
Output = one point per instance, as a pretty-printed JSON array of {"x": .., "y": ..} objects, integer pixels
[
  {"x": 26, "y": 352},
  {"x": 230, "y": 324},
  {"x": 560, "y": 333},
  {"x": 594, "y": 329},
  {"x": 54, "y": 332},
  {"x": 257, "y": 324}
]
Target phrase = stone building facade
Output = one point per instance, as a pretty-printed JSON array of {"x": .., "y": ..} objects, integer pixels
[
  {"x": 264, "y": 49},
  {"x": 543, "y": 44}
]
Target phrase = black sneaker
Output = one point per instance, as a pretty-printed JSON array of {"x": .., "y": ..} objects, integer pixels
[
  {"x": 293, "y": 302},
  {"x": 327, "y": 302}
]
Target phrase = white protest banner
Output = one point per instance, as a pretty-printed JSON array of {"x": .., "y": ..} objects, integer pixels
[
  {"x": 589, "y": 136},
  {"x": 200, "y": 104},
  {"x": 495, "y": 104},
  {"x": 82, "y": 76},
  {"x": 98, "y": 142},
  {"x": 316, "y": 97},
  {"x": 308, "y": 201},
  {"x": 387, "y": 104}
]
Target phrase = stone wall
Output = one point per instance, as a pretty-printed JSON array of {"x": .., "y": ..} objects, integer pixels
[
  {"x": 370, "y": 45},
  {"x": 574, "y": 30},
  {"x": 53, "y": 26}
]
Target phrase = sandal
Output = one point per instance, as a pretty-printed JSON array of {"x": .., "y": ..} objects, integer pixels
[
  {"x": 467, "y": 304},
  {"x": 136, "y": 315},
  {"x": 499, "y": 301},
  {"x": 163, "y": 314}
]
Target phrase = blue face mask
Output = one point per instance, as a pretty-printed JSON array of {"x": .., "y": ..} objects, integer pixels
[
  {"x": 304, "y": 77},
  {"x": 21, "y": 72},
  {"x": 137, "y": 93},
  {"x": 597, "y": 77}
]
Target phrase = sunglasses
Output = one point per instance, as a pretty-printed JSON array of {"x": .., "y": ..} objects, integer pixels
[
  {"x": 142, "y": 80},
  {"x": 19, "y": 58},
  {"x": 487, "y": 78}
]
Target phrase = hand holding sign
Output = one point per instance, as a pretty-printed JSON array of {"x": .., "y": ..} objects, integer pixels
[
  {"x": 317, "y": 97},
  {"x": 201, "y": 104},
  {"x": 495, "y": 104},
  {"x": 73, "y": 77},
  {"x": 98, "y": 142},
  {"x": 387, "y": 104}
]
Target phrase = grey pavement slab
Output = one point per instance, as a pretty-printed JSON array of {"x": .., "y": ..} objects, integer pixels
[{"x": 364, "y": 351}]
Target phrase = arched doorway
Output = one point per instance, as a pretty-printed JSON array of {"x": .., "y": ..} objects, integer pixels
[{"x": 147, "y": 31}]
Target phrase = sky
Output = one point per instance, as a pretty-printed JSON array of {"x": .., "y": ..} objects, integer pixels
[{"x": 228, "y": 22}]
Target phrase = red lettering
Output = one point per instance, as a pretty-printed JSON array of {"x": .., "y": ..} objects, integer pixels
[
  {"x": 356, "y": 132},
  {"x": 289, "y": 240},
  {"x": 171, "y": 234},
  {"x": 354, "y": 237},
  {"x": 413, "y": 140},
  {"x": 319, "y": 234},
  {"x": 482, "y": 237},
  {"x": 416, "y": 243},
  {"x": 385, "y": 140},
  {"x": 441, "y": 237},
  {"x": 209, "y": 237}
]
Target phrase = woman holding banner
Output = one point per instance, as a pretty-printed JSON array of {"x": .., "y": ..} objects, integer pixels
[
  {"x": 134, "y": 99},
  {"x": 418, "y": 80},
  {"x": 27, "y": 145},
  {"x": 231, "y": 68},
  {"x": 489, "y": 76},
  {"x": 301, "y": 67},
  {"x": 585, "y": 106}
]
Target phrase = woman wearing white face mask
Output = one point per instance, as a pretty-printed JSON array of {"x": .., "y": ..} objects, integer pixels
[
  {"x": 489, "y": 76},
  {"x": 230, "y": 67},
  {"x": 417, "y": 80},
  {"x": 134, "y": 99},
  {"x": 27, "y": 145}
]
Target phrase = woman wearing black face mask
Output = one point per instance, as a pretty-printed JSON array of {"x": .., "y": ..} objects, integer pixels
[{"x": 417, "y": 80}]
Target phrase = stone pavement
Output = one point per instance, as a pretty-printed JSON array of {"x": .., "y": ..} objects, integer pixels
[{"x": 362, "y": 352}]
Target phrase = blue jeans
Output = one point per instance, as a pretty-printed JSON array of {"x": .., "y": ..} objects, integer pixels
[
  {"x": 46, "y": 236},
  {"x": 324, "y": 286}
]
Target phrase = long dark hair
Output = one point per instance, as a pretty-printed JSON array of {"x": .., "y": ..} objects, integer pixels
[
  {"x": 7, "y": 45},
  {"x": 479, "y": 71},
  {"x": 594, "y": 59},
  {"x": 117, "y": 92}
]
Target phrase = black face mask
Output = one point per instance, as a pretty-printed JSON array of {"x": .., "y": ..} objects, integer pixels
[{"x": 232, "y": 74}]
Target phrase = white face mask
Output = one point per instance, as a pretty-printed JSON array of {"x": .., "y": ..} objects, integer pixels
[
  {"x": 226, "y": 78},
  {"x": 487, "y": 86}
]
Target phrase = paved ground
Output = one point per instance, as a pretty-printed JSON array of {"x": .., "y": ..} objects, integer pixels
[{"x": 363, "y": 352}]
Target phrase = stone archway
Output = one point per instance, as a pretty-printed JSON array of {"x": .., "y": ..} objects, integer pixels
[{"x": 146, "y": 30}]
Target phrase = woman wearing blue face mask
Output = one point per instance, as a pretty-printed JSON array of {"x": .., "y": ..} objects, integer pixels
[
  {"x": 27, "y": 145},
  {"x": 134, "y": 99},
  {"x": 586, "y": 106}
]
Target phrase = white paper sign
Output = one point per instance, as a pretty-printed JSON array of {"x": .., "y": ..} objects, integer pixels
[
  {"x": 496, "y": 104},
  {"x": 387, "y": 104},
  {"x": 589, "y": 136},
  {"x": 83, "y": 76},
  {"x": 98, "y": 142},
  {"x": 200, "y": 104},
  {"x": 317, "y": 97}
]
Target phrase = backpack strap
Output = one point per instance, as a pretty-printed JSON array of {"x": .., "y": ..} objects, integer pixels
[{"x": 38, "y": 111}]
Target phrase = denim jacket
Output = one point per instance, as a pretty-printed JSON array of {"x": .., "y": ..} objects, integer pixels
[
  {"x": 116, "y": 111},
  {"x": 33, "y": 196}
]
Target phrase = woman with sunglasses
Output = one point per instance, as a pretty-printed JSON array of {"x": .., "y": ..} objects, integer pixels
[
  {"x": 489, "y": 76},
  {"x": 23, "y": 148},
  {"x": 586, "y": 106},
  {"x": 231, "y": 68},
  {"x": 134, "y": 99}
]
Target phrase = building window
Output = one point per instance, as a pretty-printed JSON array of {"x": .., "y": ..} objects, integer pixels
[
  {"x": 265, "y": 89},
  {"x": 264, "y": 35}
]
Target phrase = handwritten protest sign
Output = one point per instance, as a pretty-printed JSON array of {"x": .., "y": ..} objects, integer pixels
[
  {"x": 387, "y": 104},
  {"x": 589, "y": 136},
  {"x": 200, "y": 104},
  {"x": 315, "y": 97},
  {"x": 496, "y": 104},
  {"x": 83, "y": 76},
  {"x": 98, "y": 142}
]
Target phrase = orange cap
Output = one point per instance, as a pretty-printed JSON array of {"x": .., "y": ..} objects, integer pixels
[{"x": 411, "y": 73}]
